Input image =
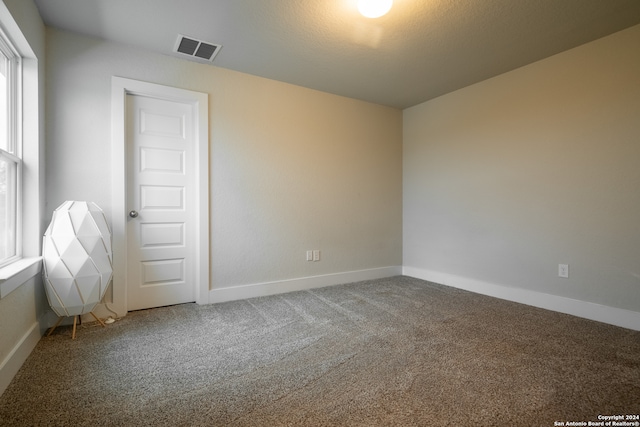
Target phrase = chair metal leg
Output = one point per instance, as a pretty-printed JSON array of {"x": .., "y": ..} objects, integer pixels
[
  {"x": 55, "y": 326},
  {"x": 75, "y": 323},
  {"x": 96, "y": 317},
  {"x": 75, "y": 320}
]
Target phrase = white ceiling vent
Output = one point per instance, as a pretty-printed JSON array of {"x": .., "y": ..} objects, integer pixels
[{"x": 196, "y": 49}]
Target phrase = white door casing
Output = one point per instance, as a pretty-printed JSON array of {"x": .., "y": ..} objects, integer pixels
[{"x": 161, "y": 248}]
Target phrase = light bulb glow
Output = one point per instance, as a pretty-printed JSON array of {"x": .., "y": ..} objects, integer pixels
[{"x": 374, "y": 8}]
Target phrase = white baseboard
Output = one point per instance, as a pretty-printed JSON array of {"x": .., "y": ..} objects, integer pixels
[
  {"x": 588, "y": 310},
  {"x": 14, "y": 360},
  {"x": 233, "y": 293}
]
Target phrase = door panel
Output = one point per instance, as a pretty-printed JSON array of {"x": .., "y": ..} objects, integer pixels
[
  {"x": 160, "y": 188},
  {"x": 160, "y": 160},
  {"x": 156, "y": 123},
  {"x": 156, "y": 197},
  {"x": 162, "y": 272},
  {"x": 161, "y": 235}
]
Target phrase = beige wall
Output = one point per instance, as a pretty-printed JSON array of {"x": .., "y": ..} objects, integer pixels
[
  {"x": 505, "y": 179},
  {"x": 292, "y": 169}
]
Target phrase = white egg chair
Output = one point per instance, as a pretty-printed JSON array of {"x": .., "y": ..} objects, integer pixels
[{"x": 77, "y": 260}]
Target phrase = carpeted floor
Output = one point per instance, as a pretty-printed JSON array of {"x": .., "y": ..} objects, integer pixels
[{"x": 390, "y": 352}]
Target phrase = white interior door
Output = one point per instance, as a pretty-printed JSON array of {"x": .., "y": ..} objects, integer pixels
[{"x": 161, "y": 222}]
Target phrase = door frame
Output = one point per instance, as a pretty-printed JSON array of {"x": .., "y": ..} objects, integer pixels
[{"x": 120, "y": 88}]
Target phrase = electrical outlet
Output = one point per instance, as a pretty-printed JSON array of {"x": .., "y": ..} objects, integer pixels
[
  {"x": 563, "y": 270},
  {"x": 316, "y": 255}
]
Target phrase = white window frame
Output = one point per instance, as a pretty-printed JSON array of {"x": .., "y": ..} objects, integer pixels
[
  {"x": 30, "y": 126},
  {"x": 13, "y": 154}
]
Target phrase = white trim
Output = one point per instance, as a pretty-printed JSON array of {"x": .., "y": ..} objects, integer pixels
[
  {"x": 233, "y": 293},
  {"x": 31, "y": 126},
  {"x": 588, "y": 310},
  {"x": 13, "y": 152},
  {"x": 120, "y": 87},
  {"x": 18, "y": 355}
]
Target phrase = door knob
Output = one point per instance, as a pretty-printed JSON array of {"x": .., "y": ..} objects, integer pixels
[{"x": 133, "y": 214}]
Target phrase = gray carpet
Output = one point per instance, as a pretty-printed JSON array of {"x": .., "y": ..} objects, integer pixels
[{"x": 391, "y": 352}]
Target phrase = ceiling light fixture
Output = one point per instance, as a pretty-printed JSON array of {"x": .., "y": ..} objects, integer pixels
[{"x": 374, "y": 8}]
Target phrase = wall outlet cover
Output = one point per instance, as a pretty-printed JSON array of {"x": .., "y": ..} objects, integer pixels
[{"x": 563, "y": 270}]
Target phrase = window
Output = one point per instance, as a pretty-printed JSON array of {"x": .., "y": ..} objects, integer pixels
[{"x": 10, "y": 152}]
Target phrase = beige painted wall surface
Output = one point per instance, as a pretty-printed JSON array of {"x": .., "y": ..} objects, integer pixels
[
  {"x": 505, "y": 179},
  {"x": 292, "y": 169},
  {"x": 19, "y": 312}
]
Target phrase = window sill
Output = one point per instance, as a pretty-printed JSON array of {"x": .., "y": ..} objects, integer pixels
[{"x": 15, "y": 274}]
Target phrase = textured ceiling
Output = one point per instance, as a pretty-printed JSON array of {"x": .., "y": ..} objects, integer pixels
[{"x": 419, "y": 50}]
